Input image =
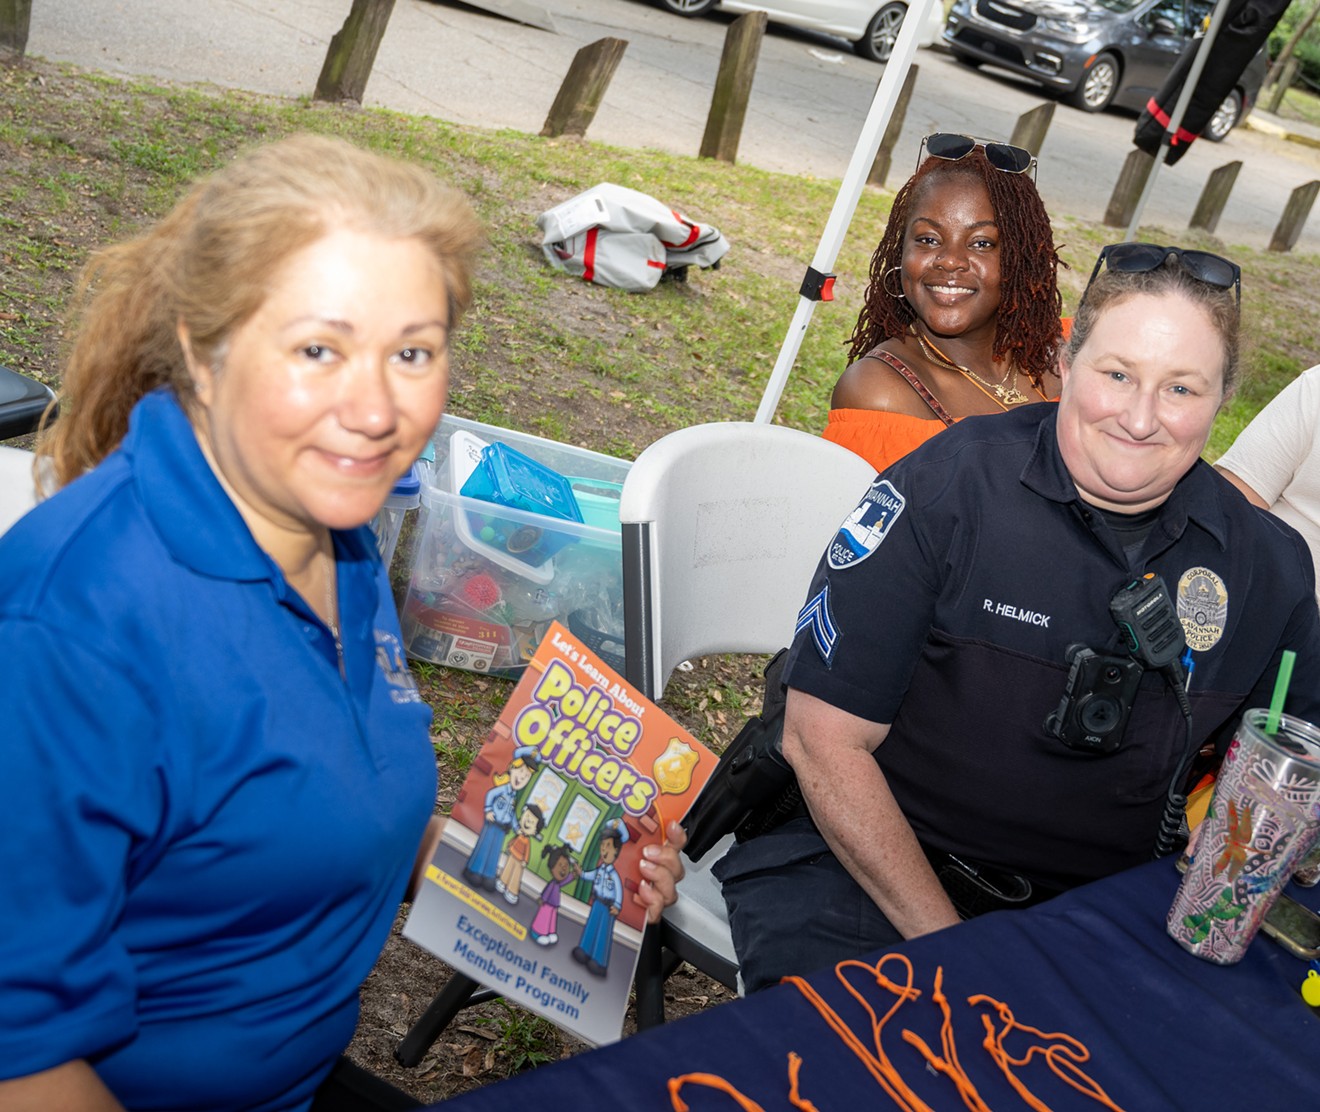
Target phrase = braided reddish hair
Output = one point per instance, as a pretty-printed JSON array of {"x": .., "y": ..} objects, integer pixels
[{"x": 1027, "y": 321}]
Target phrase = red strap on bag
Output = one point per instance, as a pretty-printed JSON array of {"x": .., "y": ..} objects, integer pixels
[
  {"x": 693, "y": 233},
  {"x": 589, "y": 255}
]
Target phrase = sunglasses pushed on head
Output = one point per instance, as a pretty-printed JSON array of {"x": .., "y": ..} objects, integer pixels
[
  {"x": 1141, "y": 258},
  {"x": 1004, "y": 157}
]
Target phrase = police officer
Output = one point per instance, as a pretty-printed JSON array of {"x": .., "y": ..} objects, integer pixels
[{"x": 936, "y": 637}]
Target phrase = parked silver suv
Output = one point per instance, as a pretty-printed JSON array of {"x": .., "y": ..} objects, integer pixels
[{"x": 1093, "y": 52}]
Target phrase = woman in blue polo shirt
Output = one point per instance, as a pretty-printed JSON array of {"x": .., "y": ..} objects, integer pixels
[{"x": 215, "y": 772}]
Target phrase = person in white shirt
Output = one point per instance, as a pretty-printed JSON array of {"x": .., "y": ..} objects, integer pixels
[{"x": 1275, "y": 461}]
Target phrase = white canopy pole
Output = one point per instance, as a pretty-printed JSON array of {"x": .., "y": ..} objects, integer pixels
[
  {"x": 1176, "y": 116},
  {"x": 850, "y": 192}
]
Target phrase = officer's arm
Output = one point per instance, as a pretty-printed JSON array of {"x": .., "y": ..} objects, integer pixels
[{"x": 831, "y": 752}]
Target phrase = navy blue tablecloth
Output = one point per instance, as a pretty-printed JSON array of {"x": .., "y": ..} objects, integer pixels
[{"x": 1165, "y": 1030}]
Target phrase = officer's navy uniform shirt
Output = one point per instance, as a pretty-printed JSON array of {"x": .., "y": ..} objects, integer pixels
[
  {"x": 984, "y": 566},
  {"x": 207, "y": 830}
]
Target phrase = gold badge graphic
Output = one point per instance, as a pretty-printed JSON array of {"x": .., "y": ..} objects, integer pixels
[
  {"x": 1202, "y": 607},
  {"x": 673, "y": 768}
]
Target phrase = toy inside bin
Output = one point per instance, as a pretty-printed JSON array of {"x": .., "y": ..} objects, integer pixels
[
  {"x": 598, "y": 499},
  {"x": 506, "y": 477},
  {"x": 474, "y": 600}
]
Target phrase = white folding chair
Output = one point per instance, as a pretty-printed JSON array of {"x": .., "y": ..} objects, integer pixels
[
  {"x": 723, "y": 525},
  {"x": 17, "y": 489}
]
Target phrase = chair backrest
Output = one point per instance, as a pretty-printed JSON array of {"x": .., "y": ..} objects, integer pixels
[
  {"x": 723, "y": 525},
  {"x": 17, "y": 489}
]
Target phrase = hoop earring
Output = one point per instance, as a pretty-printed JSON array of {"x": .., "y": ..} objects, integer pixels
[{"x": 884, "y": 284}]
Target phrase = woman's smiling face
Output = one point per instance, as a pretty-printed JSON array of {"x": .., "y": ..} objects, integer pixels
[
  {"x": 1138, "y": 400},
  {"x": 331, "y": 389},
  {"x": 951, "y": 256}
]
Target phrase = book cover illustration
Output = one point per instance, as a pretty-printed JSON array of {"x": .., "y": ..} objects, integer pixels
[{"x": 530, "y": 891}]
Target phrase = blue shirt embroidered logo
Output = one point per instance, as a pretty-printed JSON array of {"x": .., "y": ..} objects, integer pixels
[
  {"x": 394, "y": 667},
  {"x": 864, "y": 528}
]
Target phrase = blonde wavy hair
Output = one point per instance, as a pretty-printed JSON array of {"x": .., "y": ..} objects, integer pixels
[{"x": 208, "y": 265}]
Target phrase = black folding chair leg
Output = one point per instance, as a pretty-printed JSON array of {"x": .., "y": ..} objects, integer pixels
[
  {"x": 650, "y": 981},
  {"x": 655, "y": 965},
  {"x": 456, "y": 995}
]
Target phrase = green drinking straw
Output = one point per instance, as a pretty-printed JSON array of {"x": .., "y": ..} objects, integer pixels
[{"x": 1280, "y": 690}]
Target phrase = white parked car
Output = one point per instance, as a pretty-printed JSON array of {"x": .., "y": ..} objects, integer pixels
[{"x": 870, "y": 25}]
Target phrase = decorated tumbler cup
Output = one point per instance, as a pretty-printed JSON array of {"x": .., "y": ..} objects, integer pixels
[{"x": 1262, "y": 820}]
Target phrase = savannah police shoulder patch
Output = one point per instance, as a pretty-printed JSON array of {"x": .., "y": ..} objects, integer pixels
[
  {"x": 868, "y": 525},
  {"x": 1202, "y": 607}
]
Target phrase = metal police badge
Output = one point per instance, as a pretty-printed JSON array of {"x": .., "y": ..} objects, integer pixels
[
  {"x": 1202, "y": 607},
  {"x": 864, "y": 528}
]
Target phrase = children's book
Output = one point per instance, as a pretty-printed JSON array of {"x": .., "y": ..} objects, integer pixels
[{"x": 530, "y": 891}]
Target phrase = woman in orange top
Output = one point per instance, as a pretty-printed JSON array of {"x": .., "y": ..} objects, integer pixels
[{"x": 962, "y": 311}]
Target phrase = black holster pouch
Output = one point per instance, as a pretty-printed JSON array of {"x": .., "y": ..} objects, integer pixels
[
  {"x": 975, "y": 888},
  {"x": 752, "y": 789}
]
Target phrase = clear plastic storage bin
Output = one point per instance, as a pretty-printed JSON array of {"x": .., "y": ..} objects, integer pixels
[
  {"x": 486, "y": 578},
  {"x": 406, "y": 495}
]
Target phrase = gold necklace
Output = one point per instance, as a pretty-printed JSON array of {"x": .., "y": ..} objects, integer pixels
[{"x": 1001, "y": 393}]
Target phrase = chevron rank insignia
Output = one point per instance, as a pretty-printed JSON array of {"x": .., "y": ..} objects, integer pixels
[{"x": 816, "y": 617}]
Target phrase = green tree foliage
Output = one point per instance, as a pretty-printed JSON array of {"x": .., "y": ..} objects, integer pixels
[{"x": 1307, "y": 51}]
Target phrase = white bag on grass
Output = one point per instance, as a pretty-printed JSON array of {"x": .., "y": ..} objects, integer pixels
[{"x": 615, "y": 236}]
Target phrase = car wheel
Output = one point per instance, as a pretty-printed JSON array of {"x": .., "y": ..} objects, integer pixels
[
  {"x": 1097, "y": 86},
  {"x": 1226, "y": 119},
  {"x": 688, "y": 7},
  {"x": 881, "y": 33}
]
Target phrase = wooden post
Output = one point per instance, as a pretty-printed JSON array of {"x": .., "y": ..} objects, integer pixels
[
  {"x": 884, "y": 156},
  {"x": 733, "y": 86},
  {"x": 1029, "y": 131},
  {"x": 584, "y": 87},
  {"x": 352, "y": 52},
  {"x": 1282, "y": 85},
  {"x": 15, "y": 19},
  {"x": 1127, "y": 191},
  {"x": 1215, "y": 196},
  {"x": 1294, "y": 217}
]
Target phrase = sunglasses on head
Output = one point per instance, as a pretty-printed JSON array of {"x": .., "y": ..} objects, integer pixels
[
  {"x": 1002, "y": 156},
  {"x": 1141, "y": 258}
]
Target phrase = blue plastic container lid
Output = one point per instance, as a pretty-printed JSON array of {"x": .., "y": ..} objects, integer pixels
[
  {"x": 599, "y": 501},
  {"x": 508, "y": 477},
  {"x": 410, "y": 485}
]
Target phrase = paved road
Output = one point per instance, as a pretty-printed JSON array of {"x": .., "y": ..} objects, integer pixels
[{"x": 810, "y": 96}]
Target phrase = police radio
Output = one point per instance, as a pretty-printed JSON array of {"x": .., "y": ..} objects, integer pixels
[
  {"x": 1101, "y": 687},
  {"x": 1150, "y": 626}
]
